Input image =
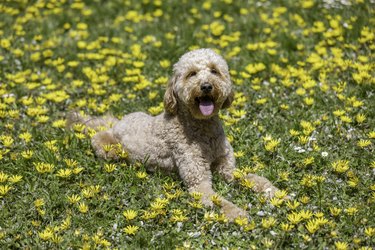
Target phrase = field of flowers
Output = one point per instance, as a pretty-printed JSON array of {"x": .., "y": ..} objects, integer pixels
[{"x": 303, "y": 116}]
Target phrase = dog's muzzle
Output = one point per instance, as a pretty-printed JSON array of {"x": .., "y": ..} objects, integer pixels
[{"x": 206, "y": 102}]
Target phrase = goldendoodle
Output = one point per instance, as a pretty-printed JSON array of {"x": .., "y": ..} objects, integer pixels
[{"x": 188, "y": 137}]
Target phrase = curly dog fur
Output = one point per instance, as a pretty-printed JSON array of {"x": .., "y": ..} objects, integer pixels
[{"x": 188, "y": 136}]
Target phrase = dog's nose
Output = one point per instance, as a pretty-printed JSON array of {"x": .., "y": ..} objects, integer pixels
[{"x": 206, "y": 87}]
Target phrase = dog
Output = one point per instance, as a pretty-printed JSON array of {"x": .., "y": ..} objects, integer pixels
[{"x": 188, "y": 136}]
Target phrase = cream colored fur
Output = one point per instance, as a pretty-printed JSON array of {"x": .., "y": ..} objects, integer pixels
[{"x": 182, "y": 138}]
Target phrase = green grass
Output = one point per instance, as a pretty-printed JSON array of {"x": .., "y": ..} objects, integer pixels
[{"x": 304, "y": 76}]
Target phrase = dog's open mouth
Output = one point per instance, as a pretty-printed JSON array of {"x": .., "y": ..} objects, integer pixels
[{"x": 206, "y": 105}]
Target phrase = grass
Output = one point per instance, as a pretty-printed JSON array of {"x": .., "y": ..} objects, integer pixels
[{"x": 303, "y": 117}]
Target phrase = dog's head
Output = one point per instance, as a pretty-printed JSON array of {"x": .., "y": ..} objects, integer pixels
[{"x": 201, "y": 83}]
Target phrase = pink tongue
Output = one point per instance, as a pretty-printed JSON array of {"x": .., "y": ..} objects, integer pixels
[{"x": 206, "y": 107}]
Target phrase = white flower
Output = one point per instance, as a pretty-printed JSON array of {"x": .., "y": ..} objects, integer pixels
[{"x": 324, "y": 154}]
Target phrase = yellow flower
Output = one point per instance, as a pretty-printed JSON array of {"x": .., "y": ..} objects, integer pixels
[
  {"x": 360, "y": 118},
  {"x": 341, "y": 245},
  {"x": 335, "y": 211},
  {"x": 247, "y": 183},
  {"x": 303, "y": 139},
  {"x": 272, "y": 145},
  {"x": 309, "y": 101},
  {"x": 306, "y": 214},
  {"x": 276, "y": 201},
  {"x": 178, "y": 218},
  {"x": 141, "y": 175},
  {"x": 4, "y": 189},
  {"x": 3, "y": 177},
  {"x": 131, "y": 230},
  {"x": 292, "y": 204},
  {"x": 295, "y": 218},
  {"x": 370, "y": 231},
  {"x": 130, "y": 214},
  {"x": 15, "y": 178},
  {"x": 196, "y": 195},
  {"x": 286, "y": 227},
  {"x": 39, "y": 203},
  {"x": 46, "y": 234},
  {"x": 340, "y": 166},
  {"x": 42, "y": 167},
  {"x": 371, "y": 135},
  {"x": 73, "y": 198},
  {"x": 109, "y": 168},
  {"x": 312, "y": 226},
  {"x": 83, "y": 208},
  {"x": 217, "y": 28},
  {"x": 25, "y": 136},
  {"x": 268, "y": 222},
  {"x": 216, "y": 199},
  {"x": 165, "y": 63},
  {"x": 241, "y": 221},
  {"x": 64, "y": 173},
  {"x": 261, "y": 101},
  {"x": 351, "y": 211},
  {"x": 363, "y": 143}
]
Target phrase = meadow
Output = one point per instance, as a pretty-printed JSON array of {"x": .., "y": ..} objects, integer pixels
[{"x": 303, "y": 116}]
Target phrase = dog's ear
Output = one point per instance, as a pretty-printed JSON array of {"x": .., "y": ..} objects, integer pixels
[
  {"x": 170, "y": 99},
  {"x": 228, "y": 101}
]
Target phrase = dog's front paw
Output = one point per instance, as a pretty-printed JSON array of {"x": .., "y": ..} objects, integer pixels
[
  {"x": 231, "y": 211},
  {"x": 262, "y": 185}
]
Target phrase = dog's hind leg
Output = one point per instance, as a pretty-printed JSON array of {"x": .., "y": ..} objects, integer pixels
[{"x": 105, "y": 144}]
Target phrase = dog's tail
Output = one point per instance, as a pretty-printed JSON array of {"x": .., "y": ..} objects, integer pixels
[{"x": 92, "y": 122}]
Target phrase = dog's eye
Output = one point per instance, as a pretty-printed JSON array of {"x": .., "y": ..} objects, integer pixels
[
  {"x": 192, "y": 73},
  {"x": 214, "y": 71}
]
